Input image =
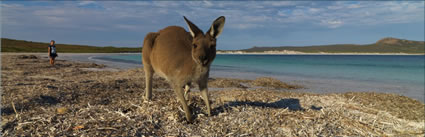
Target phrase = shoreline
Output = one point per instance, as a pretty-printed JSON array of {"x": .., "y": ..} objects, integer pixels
[
  {"x": 312, "y": 84},
  {"x": 317, "y": 85},
  {"x": 88, "y": 58}
]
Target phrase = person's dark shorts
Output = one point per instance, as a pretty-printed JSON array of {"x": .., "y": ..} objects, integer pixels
[{"x": 53, "y": 55}]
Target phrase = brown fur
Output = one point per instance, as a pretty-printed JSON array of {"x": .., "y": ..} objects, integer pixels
[{"x": 181, "y": 58}]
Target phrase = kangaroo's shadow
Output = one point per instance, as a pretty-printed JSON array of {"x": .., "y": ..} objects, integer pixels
[{"x": 292, "y": 104}]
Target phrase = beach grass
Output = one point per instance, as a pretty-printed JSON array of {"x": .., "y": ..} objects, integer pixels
[{"x": 87, "y": 99}]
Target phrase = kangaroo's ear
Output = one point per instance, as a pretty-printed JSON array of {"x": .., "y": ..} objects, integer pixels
[
  {"x": 194, "y": 30},
  {"x": 216, "y": 27}
]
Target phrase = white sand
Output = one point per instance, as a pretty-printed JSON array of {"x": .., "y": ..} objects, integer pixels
[{"x": 89, "y": 57}]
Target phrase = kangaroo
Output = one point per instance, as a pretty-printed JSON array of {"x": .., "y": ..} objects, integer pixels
[{"x": 181, "y": 58}]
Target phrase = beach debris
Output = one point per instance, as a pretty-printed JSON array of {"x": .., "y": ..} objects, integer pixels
[
  {"x": 14, "y": 109},
  {"x": 227, "y": 98},
  {"x": 82, "y": 126},
  {"x": 51, "y": 87},
  {"x": 226, "y": 83},
  {"x": 27, "y": 57},
  {"x": 61, "y": 110},
  {"x": 261, "y": 82},
  {"x": 272, "y": 83}
]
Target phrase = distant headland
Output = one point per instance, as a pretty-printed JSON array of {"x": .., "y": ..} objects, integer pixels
[
  {"x": 386, "y": 46},
  {"x": 383, "y": 46}
]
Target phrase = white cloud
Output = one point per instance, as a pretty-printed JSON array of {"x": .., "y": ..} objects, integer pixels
[
  {"x": 3, "y": 5},
  {"x": 143, "y": 16},
  {"x": 128, "y": 27},
  {"x": 279, "y": 3},
  {"x": 354, "y": 6},
  {"x": 361, "y": 13},
  {"x": 282, "y": 13},
  {"x": 254, "y": 19},
  {"x": 245, "y": 26},
  {"x": 51, "y": 12},
  {"x": 314, "y": 10},
  {"x": 86, "y": 3},
  {"x": 208, "y": 3},
  {"x": 166, "y": 4},
  {"x": 53, "y": 19},
  {"x": 332, "y": 23}
]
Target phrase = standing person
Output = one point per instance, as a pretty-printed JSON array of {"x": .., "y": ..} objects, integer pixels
[{"x": 52, "y": 52}]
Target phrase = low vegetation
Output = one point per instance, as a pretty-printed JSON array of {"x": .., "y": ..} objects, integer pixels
[{"x": 11, "y": 45}]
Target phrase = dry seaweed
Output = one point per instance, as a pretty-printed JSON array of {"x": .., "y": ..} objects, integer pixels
[
  {"x": 273, "y": 83},
  {"x": 227, "y": 83},
  {"x": 66, "y": 100}
]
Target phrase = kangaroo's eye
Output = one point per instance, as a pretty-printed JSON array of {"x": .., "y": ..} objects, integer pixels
[{"x": 195, "y": 46}]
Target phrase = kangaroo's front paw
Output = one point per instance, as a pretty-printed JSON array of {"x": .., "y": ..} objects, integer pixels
[{"x": 147, "y": 100}]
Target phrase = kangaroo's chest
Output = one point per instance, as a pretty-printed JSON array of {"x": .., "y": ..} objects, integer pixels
[{"x": 199, "y": 74}]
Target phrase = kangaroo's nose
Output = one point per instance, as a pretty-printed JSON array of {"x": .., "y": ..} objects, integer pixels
[{"x": 204, "y": 60}]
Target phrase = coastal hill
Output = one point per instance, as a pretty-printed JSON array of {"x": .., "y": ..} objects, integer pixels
[
  {"x": 385, "y": 45},
  {"x": 12, "y": 45}
]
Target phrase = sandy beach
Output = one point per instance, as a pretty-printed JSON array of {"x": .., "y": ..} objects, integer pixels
[
  {"x": 85, "y": 97},
  {"x": 314, "y": 84}
]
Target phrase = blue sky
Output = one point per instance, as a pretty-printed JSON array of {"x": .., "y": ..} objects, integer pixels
[{"x": 253, "y": 23}]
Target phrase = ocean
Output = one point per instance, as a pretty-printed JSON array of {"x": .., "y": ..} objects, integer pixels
[{"x": 400, "y": 74}]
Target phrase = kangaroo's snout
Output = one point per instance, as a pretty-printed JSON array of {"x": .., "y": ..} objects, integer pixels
[{"x": 204, "y": 61}]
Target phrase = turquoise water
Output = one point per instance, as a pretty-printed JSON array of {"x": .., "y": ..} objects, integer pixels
[
  {"x": 384, "y": 68},
  {"x": 409, "y": 69},
  {"x": 396, "y": 73}
]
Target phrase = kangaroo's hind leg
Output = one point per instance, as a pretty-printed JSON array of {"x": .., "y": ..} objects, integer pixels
[
  {"x": 148, "y": 44},
  {"x": 148, "y": 81}
]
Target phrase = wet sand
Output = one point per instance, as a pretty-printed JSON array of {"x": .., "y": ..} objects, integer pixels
[{"x": 88, "y": 99}]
